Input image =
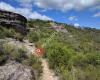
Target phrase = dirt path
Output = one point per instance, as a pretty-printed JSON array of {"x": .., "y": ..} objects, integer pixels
[{"x": 47, "y": 73}]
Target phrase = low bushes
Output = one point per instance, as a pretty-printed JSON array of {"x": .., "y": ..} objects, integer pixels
[
  {"x": 71, "y": 65},
  {"x": 10, "y": 33},
  {"x": 35, "y": 63},
  {"x": 33, "y": 37}
]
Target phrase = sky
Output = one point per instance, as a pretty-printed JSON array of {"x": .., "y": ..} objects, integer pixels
[{"x": 77, "y": 12}]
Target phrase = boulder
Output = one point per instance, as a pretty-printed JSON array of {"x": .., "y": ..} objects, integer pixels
[
  {"x": 16, "y": 71},
  {"x": 14, "y": 20}
]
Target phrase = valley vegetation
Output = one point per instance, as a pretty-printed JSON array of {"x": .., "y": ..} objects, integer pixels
[{"x": 73, "y": 55}]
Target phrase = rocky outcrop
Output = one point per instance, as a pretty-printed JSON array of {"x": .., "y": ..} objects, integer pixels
[
  {"x": 15, "y": 20},
  {"x": 16, "y": 71}
]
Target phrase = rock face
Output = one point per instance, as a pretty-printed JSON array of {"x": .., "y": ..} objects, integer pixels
[
  {"x": 15, "y": 20},
  {"x": 16, "y": 71}
]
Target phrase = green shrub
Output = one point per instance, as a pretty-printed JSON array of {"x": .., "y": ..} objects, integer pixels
[
  {"x": 14, "y": 53},
  {"x": 83, "y": 60},
  {"x": 35, "y": 63},
  {"x": 18, "y": 36},
  {"x": 33, "y": 37},
  {"x": 10, "y": 33},
  {"x": 5, "y": 32}
]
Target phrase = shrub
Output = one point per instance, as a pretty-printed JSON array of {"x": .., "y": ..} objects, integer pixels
[
  {"x": 83, "y": 60},
  {"x": 35, "y": 63},
  {"x": 33, "y": 37},
  {"x": 18, "y": 36},
  {"x": 14, "y": 53},
  {"x": 10, "y": 33}
]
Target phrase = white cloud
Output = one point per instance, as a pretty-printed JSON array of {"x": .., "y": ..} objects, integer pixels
[
  {"x": 62, "y": 5},
  {"x": 44, "y": 10},
  {"x": 73, "y": 18},
  {"x": 6, "y": 6},
  {"x": 24, "y": 11},
  {"x": 76, "y": 25},
  {"x": 97, "y": 14}
]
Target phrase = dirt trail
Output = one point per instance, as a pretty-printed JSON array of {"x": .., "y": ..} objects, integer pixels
[{"x": 47, "y": 73}]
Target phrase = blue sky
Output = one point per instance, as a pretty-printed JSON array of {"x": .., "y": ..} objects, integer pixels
[{"x": 76, "y": 12}]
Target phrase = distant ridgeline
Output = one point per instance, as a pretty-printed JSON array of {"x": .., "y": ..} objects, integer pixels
[{"x": 14, "y": 20}]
